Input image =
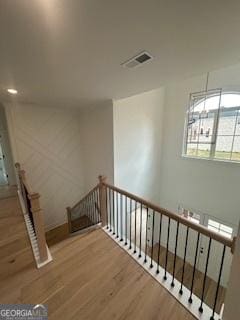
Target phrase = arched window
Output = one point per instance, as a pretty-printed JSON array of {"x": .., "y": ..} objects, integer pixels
[{"x": 213, "y": 126}]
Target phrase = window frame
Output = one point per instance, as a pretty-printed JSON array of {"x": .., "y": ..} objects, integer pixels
[{"x": 213, "y": 143}]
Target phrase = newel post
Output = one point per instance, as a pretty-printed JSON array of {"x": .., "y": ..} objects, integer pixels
[{"x": 103, "y": 199}]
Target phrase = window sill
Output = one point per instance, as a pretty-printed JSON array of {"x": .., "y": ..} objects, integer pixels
[{"x": 184, "y": 156}]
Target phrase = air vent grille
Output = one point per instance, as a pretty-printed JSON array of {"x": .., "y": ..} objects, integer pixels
[{"x": 138, "y": 60}]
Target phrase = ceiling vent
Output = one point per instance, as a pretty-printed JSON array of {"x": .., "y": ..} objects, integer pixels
[{"x": 138, "y": 60}]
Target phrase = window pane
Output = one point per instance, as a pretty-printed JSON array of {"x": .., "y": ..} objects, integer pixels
[
  {"x": 192, "y": 149},
  {"x": 236, "y": 149},
  {"x": 192, "y": 133},
  {"x": 229, "y": 100},
  {"x": 212, "y": 228},
  {"x": 238, "y": 124},
  {"x": 209, "y": 102},
  {"x": 224, "y": 147},
  {"x": 213, "y": 223},
  {"x": 206, "y": 129},
  {"x": 204, "y": 150},
  {"x": 201, "y": 130},
  {"x": 227, "y": 121},
  {"x": 210, "y": 112},
  {"x": 226, "y": 228}
]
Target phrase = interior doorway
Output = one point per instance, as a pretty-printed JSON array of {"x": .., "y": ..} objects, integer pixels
[{"x": 215, "y": 254}]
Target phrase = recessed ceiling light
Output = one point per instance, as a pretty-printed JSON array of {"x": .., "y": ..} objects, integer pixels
[{"x": 12, "y": 91}]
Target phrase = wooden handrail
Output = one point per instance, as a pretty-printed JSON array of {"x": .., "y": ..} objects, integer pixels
[
  {"x": 36, "y": 211},
  {"x": 69, "y": 209},
  {"x": 197, "y": 227},
  {"x": 79, "y": 202}
]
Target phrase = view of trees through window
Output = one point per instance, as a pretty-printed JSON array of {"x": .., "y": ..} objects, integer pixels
[{"x": 213, "y": 126}]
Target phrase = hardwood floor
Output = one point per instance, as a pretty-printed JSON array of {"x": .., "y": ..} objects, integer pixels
[
  {"x": 8, "y": 191},
  {"x": 211, "y": 285},
  {"x": 90, "y": 278},
  {"x": 15, "y": 250},
  {"x": 57, "y": 234}
]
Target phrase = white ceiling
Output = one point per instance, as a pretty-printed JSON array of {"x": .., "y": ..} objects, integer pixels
[{"x": 68, "y": 52}]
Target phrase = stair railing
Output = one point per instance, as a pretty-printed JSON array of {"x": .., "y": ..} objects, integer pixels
[
  {"x": 166, "y": 233},
  {"x": 86, "y": 213},
  {"x": 33, "y": 211},
  {"x": 166, "y": 244}
]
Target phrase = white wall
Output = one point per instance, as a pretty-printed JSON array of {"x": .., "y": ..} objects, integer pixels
[
  {"x": 8, "y": 160},
  {"x": 63, "y": 152},
  {"x": 47, "y": 143},
  {"x": 211, "y": 187},
  {"x": 97, "y": 144},
  {"x": 149, "y": 162},
  {"x": 138, "y": 125}
]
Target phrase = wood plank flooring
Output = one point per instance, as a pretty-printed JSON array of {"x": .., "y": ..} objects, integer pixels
[
  {"x": 15, "y": 250},
  {"x": 57, "y": 234},
  {"x": 90, "y": 278}
]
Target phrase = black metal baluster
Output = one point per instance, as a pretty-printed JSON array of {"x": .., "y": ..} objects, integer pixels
[
  {"x": 146, "y": 239},
  {"x": 194, "y": 268},
  {"x": 93, "y": 207},
  {"x": 117, "y": 218},
  {"x": 83, "y": 211},
  {"x": 130, "y": 225},
  {"x": 153, "y": 221},
  {"x": 113, "y": 193},
  {"x": 85, "y": 207},
  {"x": 218, "y": 283},
  {"x": 175, "y": 255},
  {"x": 135, "y": 227},
  {"x": 88, "y": 212},
  {"x": 166, "y": 258},
  {"x": 125, "y": 221},
  {"x": 110, "y": 208},
  {"x": 184, "y": 260},
  {"x": 140, "y": 235},
  {"x": 121, "y": 216},
  {"x": 107, "y": 208},
  {"x": 205, "y": 274},
  {"x": 90, "y": 209},
  {"x": 159, "y": 241},
  {"x": 98, "y": 207}
]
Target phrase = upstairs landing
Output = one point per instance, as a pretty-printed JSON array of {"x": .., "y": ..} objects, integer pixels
[{"x": 91, "y": 277}]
